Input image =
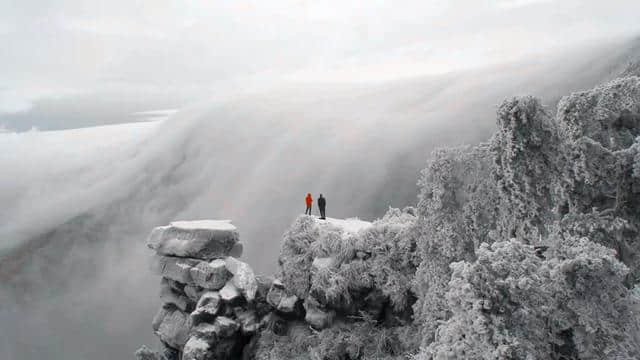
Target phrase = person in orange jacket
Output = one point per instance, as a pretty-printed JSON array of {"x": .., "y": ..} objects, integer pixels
[{"x": 309, "y": 201}]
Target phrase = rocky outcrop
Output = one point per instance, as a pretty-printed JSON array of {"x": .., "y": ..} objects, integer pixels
[
  {"x": 215, "y": 307},
  {"x": 205, "y": 239},
  {"x": 209, "y": 297}
]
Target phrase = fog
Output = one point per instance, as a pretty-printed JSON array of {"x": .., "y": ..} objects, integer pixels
[
  {"x": 79, "y": 203},
  {"x": 240, "y": 109}
]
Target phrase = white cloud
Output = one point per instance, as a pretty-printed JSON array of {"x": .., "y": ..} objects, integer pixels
[
  {"x": 196, "y": 46},
  {"x": 520, "y": 3}
]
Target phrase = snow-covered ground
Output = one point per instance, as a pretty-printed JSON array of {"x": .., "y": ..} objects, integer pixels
[
  {"x": 349, "y": 226},
  {"x": 204, "y": 225}
]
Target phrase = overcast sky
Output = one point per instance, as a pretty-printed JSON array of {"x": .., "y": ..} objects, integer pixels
[{"x": 176, "y": 51}]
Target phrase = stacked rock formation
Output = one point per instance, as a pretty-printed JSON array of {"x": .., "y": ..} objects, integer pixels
[
  {"x": 332, "y": 272},
  {"x": 206, "y": 291},
  {"x": 213, "y": 303}
]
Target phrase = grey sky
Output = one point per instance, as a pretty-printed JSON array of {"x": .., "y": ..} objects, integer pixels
[{"x": 148, "y": 54}]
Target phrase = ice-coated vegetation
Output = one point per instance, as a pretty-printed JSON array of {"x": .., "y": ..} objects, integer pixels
[
  {"x": 529, "y": 243},
  {"x": 523, "y": 247}
]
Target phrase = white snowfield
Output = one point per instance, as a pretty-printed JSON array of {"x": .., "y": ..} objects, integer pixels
[
  {"x": 349, "y": 227},
  {"x": 223, "y": 225},
  {"x": 202, "y": 239}
]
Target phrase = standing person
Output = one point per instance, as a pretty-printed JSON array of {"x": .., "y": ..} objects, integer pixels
[
  {"x": 322, "y": 204},
  {"x": 309, "y": 201}
]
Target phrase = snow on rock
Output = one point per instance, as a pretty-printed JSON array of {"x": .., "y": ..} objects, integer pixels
[
  {"x": 193, "y": 292},
  {"x": 287, "y": 304},
  {"x": 248, "y": 321},
  {"x": 348, "y": 227},
  {"x": 157, "y": 319},
  {"x": 243, "y": 277},
  {"x": 169, "y": 295},
  {"x": 276, "y": 293},
  {"x": 229, "y": 293},
  {"x": 144, "y": 353},
  {"x": 177, "y": 269},
  {"x": 174, "y": 327},
  {"x": 210, "y": 275},
  {"x": 225, "y": 327},
  {"x": 203, "y": 239},
  {"x": 207, "y": 308},
  {"x": 196, "y": 349}
]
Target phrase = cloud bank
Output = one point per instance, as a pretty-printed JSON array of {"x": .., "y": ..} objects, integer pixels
[{"x": 74, "y": 272}]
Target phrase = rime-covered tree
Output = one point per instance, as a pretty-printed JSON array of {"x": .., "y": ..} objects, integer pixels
[
  {"x": 525, "y": 152},
  {"x": 512, "y": 304},
  {"x": 539, "y": 181},
  {"x": 600, "y": 129},
  {"x": 456, "y": 211}
]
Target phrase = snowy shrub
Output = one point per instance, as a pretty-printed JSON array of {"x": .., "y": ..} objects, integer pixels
[
  {"x": 360, "y": 340},
  {"x": 380, "y": 257},
  {"x": 512, "y": 304},
  {"x": 365, "y": 340},
  {"x": 295, "y": 256}
]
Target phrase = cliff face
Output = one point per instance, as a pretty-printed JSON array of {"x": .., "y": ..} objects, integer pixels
[{"x": 343, "y": 287}]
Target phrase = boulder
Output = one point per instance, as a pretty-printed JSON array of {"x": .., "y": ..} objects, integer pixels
[
  {"x": 243, "y": 277},
  {"x": 177, "y": 286},
  {"x": 276, "y": 293},
  {"x": 204, "y": 239},
  {"x": 193, "y": 292},
  {"x": 230, "y": 293},
  {"x": 248, "y": 321},
  {"x": 207, "y": 308},
  {"x": 225, "y": 326},
  {"x": 206, "y": 332},
  {"x": 169, "y": 352},
  {"x": 157, "y": 319},
  {"x": 287, "y": 304},
  {"x": 264, "y": 284},
  {"x": 173, "y": 268},
  {"x": 275, "y": 323},
  {"x": 144, "y": 353},
  {"x": 210, "y": 275},
  {"x": 169, "y": 295},
  {"x": 316, "y": 317},
  {"x": 196, "y": 348},
  {"x": 174, "y": 328}
]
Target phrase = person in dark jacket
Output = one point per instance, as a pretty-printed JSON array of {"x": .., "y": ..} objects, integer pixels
[
  {"x": 309, "y": 201},
  {"x": 322, "y": 204}
]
